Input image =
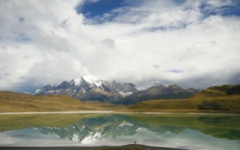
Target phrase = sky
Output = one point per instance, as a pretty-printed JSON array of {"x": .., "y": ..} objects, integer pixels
[{"x": 192, "y": 43}]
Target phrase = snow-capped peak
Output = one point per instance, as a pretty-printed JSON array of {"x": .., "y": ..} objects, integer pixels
[
  {"x": 92, "y": 80},
  {"x": 77, "y": 81}
]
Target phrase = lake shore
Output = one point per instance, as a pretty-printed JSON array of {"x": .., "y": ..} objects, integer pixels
[
  {"x": 111, "y": 112},
  {"x": 124, "y": 147}
]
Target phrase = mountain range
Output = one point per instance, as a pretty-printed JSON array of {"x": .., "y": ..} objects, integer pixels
[
  {"x": 89, "y": 88},
  {"x": 222, "y": 98}
]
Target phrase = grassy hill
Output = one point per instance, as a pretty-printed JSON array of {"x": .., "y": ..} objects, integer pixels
[
  {"x": 213, "y": 99},
  {"x": 18, "y": 102}
]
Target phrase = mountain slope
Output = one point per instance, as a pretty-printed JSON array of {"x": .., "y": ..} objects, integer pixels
[
  {"x": 213, "y": 99},
  {"x": 160, "y": 92},
  {"x": 220, "y": 98},
  {"x": 18, "y": 102},
  {"x": 124, "y": 88}
]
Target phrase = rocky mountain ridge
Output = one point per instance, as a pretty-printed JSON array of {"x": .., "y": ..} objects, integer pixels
[
  {"x": 88, "y": 88},
  {"x": 160, "y": 92}
]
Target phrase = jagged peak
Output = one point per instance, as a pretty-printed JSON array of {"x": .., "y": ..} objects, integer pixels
[
  {"x": 89, "y": 79},
  {"x": 92, "y": 80}
]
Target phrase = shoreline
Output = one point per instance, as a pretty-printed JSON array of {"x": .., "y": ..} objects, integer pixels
[
  {"x": 56, "y": 112},
  {"x": 115, "y": 112},
  {"x": 124, "y": 147}
]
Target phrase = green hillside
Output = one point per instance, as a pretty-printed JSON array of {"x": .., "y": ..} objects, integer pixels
[
  {"x": 18, "y": 102},
  {"x": 213, "y": 99}
]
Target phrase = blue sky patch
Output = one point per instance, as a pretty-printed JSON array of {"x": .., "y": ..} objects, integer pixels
[
  {"x": 100, "y": 11},
  {"x": 99, "y": 8},
  {"x": 230, "y": 10},
  {"x": 179, "y": 2}
]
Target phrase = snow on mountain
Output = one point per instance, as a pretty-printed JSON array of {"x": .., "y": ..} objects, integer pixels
[
  {"x": 92, "y": 80},
  {"x": 83, "y": 88},
  {"x": 77, "y": 81}
]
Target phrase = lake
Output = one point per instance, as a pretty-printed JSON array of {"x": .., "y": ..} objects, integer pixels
[{"x": 184, "y": 131}]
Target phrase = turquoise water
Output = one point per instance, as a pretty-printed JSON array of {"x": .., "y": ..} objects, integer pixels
[{"x": 198, "y": 132}]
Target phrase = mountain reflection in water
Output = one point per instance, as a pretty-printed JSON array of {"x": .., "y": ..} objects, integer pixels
[{"x": 202, "y": 132}]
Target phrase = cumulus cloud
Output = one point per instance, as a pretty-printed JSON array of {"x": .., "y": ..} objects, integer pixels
[{"x": 191, "y": 43}]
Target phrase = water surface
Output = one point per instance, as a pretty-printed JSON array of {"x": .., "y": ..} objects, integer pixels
[{"x": 198, "y": 132}]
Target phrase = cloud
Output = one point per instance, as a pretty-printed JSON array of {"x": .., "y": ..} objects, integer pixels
[
  {"x": 172, "y": 41},
  {"x": 109, "y": 43}
]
